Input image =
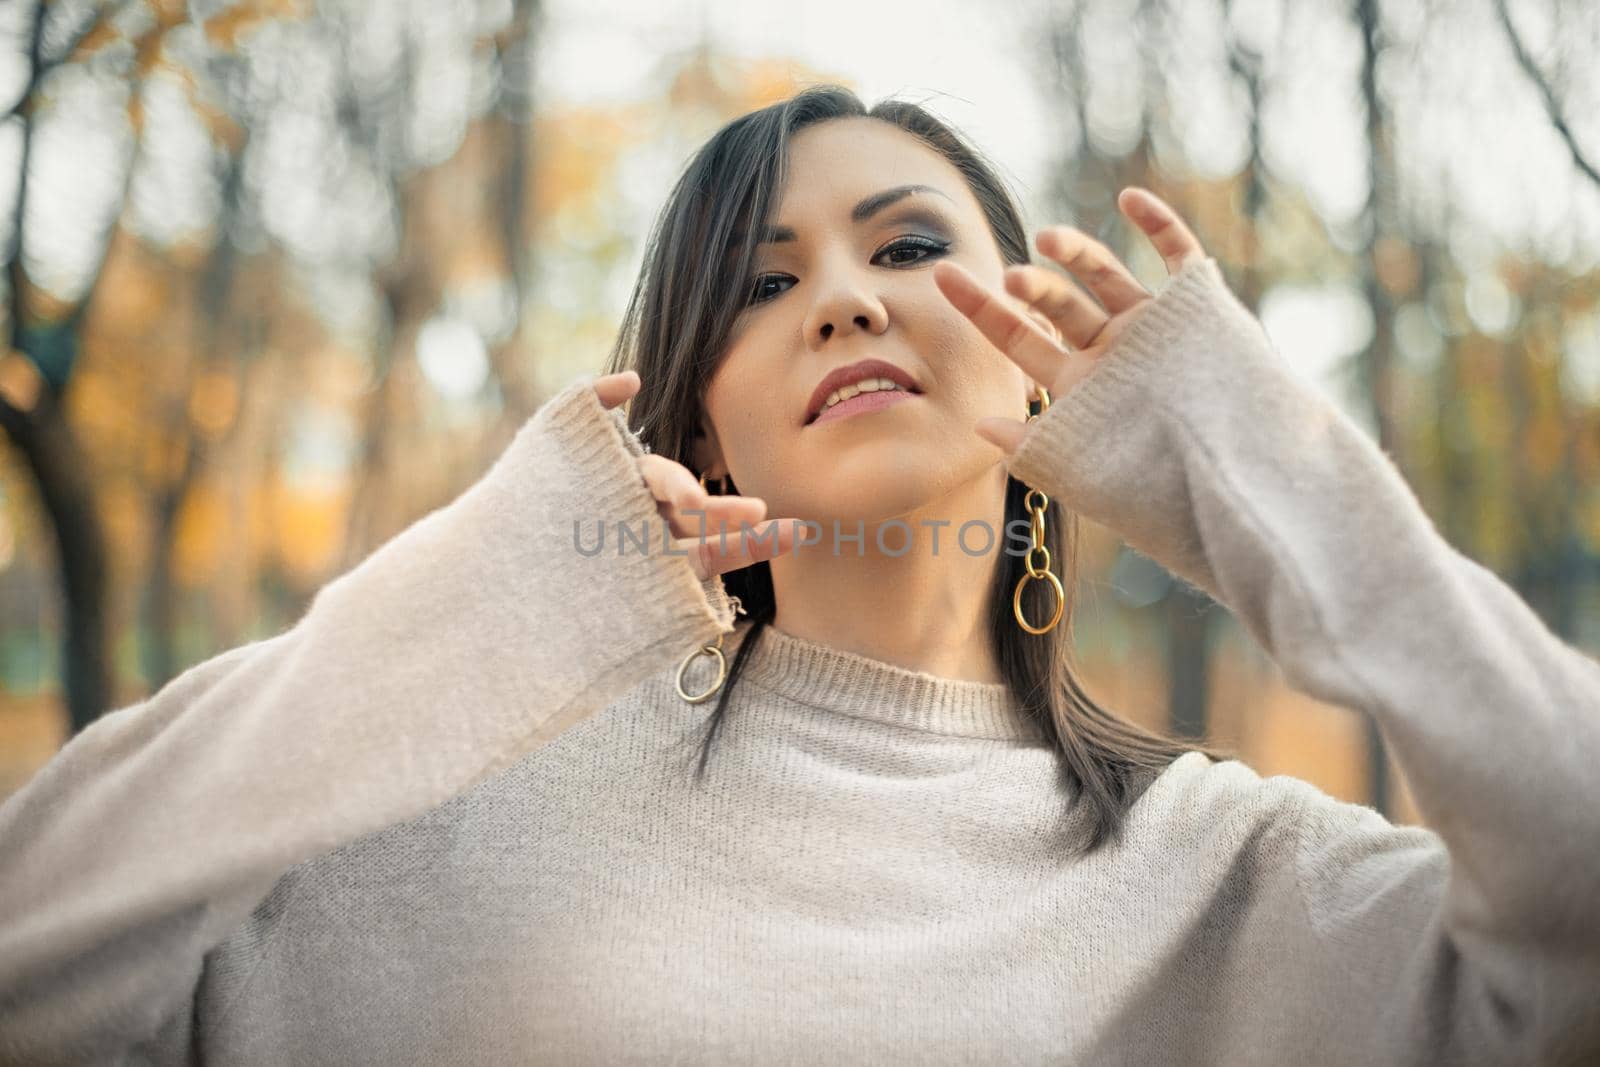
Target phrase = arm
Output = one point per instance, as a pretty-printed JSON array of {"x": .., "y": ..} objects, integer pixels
[
  {"x": 474, "y": 636},
  {"x": 1193, "y": 441}
]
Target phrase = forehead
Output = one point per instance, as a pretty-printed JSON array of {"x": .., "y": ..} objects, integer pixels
[{"x": 834, "y": 164}]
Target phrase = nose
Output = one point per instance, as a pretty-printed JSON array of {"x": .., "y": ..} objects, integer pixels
[{"x": 846, "y": 304}]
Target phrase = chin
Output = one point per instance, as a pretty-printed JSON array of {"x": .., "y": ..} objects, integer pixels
[{"x": 871, "y": 500}]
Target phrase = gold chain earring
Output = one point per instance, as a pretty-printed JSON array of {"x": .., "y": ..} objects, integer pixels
[
  {"x": 1036, "y": 502},
  {"x": 715, "y": 651}
]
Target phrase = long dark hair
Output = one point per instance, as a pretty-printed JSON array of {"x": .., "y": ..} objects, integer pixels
[{"x": 677, "y": 323}]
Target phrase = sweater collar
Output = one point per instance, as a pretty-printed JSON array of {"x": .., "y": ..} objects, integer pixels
[{"x": 846, "y": 683}]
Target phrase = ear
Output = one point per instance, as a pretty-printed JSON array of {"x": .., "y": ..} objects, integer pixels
[{"x": 707, "y": 457}]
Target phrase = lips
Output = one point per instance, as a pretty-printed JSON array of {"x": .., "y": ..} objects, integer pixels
[
  {"x": 862, "y": 403},
  {"x": 840, "y": 377}
]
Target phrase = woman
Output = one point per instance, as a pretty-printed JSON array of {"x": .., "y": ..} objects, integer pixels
[{"x": 446, "y": 816}]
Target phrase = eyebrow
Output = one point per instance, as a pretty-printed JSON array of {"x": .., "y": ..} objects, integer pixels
[{"x": 860, "y": 213}]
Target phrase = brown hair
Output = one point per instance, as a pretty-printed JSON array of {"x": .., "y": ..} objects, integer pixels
[{"x": 677, "y": 323}]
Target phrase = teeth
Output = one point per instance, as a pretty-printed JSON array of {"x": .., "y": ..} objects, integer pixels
[{"x": 866, "y": 385}]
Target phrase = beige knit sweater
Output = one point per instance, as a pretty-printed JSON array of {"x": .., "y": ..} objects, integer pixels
[{"x": 447, "y": 817}]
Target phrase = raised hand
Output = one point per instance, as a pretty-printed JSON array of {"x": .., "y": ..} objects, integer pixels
[
  {"x": 715, "y": 542},
  {"x": 1087, "y": 330}
]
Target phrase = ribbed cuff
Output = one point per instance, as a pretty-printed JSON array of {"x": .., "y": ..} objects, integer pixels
[
  {"x": 1113, "y": 447},
  {"x": 603, "y": 455}
]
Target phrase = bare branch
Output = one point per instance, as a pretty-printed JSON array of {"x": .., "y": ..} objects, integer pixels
[{"x": 1551, "y": 105}]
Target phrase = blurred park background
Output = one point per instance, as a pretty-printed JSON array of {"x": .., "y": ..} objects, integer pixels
[{"x": 282, "y": 276}]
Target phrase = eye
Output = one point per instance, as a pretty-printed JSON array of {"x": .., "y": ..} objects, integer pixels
[
  {"x": 925, "y": 247},
  {"x": 756, "y": 296}
]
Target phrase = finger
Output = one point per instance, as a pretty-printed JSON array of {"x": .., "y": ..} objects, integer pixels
[
  {"x": 761, "y": 541},
  {"x": 1172, "y": 238},
  {"x": 1010, "y": 330},
  {"x": 719, "y": 513},
  {"x": 687, "y": 507},
  {"x": 613, "y": 389},
  {"x": 1062, "y": 301},
  {"x": 1093, "y": 264},
  {"x": 670, "y": 481}
]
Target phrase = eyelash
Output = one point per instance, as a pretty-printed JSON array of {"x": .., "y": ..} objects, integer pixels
[{"x": 926, "y": 244}]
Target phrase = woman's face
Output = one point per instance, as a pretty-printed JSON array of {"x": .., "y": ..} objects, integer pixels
[{"x": 845, "y": 289}]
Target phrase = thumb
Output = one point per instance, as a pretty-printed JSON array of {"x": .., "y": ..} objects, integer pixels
[
  {"x": 1004, "y": 434},
  {"x": 613, "y": 389}
]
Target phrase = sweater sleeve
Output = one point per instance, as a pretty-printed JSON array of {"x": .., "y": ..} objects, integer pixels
[
  {"x": 472, "y": 637},
  {"x": 1195, "y": 443}
]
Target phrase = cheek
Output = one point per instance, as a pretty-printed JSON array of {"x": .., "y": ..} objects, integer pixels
[
  {"x": 747, "y": 386},
  {"x": 967, "y": 369},
  {"x": 747, "y": 401}
]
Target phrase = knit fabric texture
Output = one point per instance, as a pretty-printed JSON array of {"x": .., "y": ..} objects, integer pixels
[{"x": 449, "y": 817}]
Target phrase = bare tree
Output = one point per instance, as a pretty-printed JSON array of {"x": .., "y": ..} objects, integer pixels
[{"x": 43, "y": 351}]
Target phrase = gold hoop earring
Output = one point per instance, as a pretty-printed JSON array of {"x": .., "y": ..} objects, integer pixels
[
  {"x": 707, "y": 488},
  {"x": 715, "y": 651},
  {"x": 1038, "y": 571}
]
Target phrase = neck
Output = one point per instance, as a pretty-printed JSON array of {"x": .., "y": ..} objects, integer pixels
[{"x": 926, "y": 609}]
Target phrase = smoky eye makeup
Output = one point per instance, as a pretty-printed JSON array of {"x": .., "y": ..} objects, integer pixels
[
  {"x": 936, "y": 239},
  {"x": 925, "y": 216},
  {"x": 931, "y": 226}
]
